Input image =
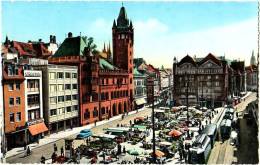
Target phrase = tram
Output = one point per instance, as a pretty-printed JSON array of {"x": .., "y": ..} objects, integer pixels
[
  {"x": 211, "y": 131},
  {"x": 225, "y": 128},
  {"x": 200, "y": 149}
]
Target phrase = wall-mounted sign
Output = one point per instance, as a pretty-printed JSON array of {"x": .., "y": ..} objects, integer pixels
[{"x": 32, "y": 74}]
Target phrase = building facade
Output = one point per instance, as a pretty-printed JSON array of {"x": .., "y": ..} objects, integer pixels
[
  {"x": 60, "y": 96},
  {"x": 105, "y": 88},
  {"x": 201, "y": 81},
  {"x": 239, "y": 76},
  {"x": 23, "y": 104},
  {"x": 139, "y": 89},
  {"x": 14, "y": 105}
]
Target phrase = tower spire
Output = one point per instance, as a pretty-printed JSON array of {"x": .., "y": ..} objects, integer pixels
[{"x": 104, "y": 49}]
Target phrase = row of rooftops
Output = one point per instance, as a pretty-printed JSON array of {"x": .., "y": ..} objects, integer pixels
[{"x": 237, "y": 67}]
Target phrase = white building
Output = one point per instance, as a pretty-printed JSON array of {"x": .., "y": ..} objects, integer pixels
[
  {"x": 60, "y": 90},
  {"x": 33, "y": 104}
]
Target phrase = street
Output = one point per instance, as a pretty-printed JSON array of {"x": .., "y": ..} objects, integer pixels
[
  {"x": 225, "y": 153},
  {"x": 221, "y": 153},
  {"x": 47, "y": 149}
]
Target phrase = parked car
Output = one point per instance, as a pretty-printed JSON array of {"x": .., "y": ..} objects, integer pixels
[{"x": 85, "y": 133}]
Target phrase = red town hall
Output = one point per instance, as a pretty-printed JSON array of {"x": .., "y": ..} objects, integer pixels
[{"x": 105, "y": 84}]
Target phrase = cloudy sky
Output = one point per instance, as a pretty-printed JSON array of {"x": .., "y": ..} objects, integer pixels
[{"x": 162, "y": 29}]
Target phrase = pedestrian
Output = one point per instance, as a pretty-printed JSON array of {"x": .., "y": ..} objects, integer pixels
[
  {"x": 53, "y": 157},
  {"x": 28, "y": 151},
  {"x": 206, "y": 122},
  {"x": 61, "y": 151},
  {"x": 130, "y": 122},
  {"x": 43, "y": 159},
  {"x": 124, "y": 151},
  {"x": 180, "y": 153},
  {"x": 55, "y": 147}
]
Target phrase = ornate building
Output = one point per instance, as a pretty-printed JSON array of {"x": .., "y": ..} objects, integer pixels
[
  {"x": 203, "y": 80},
  {"x": 105, "y": 88}
]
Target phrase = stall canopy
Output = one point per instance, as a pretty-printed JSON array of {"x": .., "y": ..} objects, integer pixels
[
  {"x": 139, "y": 118},
  {"x": 140, "y": 101},
  {"x": 37, "y": 128},
  {"x": 135, "y": 151},
  {"x": 140, "y": 127},
  {"x": 175, "y": 133},
  {"x": 159, "y": 153}
]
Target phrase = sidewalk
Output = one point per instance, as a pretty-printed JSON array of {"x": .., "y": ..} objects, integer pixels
[{"x": 63, "y": 134}]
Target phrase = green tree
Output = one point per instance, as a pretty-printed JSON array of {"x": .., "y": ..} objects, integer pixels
[{"x": 91, "y": 46}]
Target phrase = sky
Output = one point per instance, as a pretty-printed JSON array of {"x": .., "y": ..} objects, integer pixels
[{"x": 162, "y": 30}]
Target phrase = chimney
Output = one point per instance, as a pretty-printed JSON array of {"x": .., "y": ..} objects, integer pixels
[
  {"x": 51, "y": 39},
  {"x": 54, "y": 39},
  {"x": 69, "y": 35}
]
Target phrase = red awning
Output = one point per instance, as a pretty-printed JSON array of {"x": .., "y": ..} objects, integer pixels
[
  {"x": 37, "y": 128},
  {"x": 175, "y": 133}
]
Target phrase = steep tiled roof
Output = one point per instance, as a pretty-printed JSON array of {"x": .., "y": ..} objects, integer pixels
[
  {"x": 137, "y": 73},
  {"x": 103, "y": 64},
  {"x": 24, "y": 49},
  {"x": 73, "y": 46},
  {"x": 187, "y": 59},
  {"x": 210, "y": 57}
]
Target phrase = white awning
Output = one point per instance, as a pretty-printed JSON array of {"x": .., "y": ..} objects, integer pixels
[{"x": 140, "y": 101}]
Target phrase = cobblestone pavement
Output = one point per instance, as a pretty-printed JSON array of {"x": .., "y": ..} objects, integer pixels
[
  {"x": 224, "y": 153},
  {"x": 47, "y": 150}
]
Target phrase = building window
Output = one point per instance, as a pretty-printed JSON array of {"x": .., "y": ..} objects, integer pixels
[
  {"x": 60, "y": 75},
  {"x": 53, "y": 100},
  {"x": 67, "y": 75},
  {"x": 52, "y": 75},
  {"x": 60, "y": 98},
  {"x": 86, "y": 114},
  {"x": 74, "y": 75},
  {"x": 53, "y": 112},
  {"x": 11, "y": 87},
  {"x": 68, "y": 109},
  {"x": 103, "y": 110},
  {"x": 217, "y": 84},
  {"x": 67, "y": 86},
  {"x": 17, "y": 86},
  {"x": 18, "y": 100},
  {"x": 74, "y": 86},
  {"x": 75, "y": 107},
  {"x": 95, "y": 112},
  {"x": 130, "y": 80},
  {"x": 216, "y": 76},
  {"x": 52, "y": 88},
  {"x": 18, "y": 116},
  {"x": 11, "y": 117},
  {"x": 74, "y": 97},
  {"x": 60, "y": 87},
  {"x": 68, "y": 97},
  {"x": 11, "y": 101}
]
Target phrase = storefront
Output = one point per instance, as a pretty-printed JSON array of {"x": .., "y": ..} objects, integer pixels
[
  {"x": 35, "y": 131},
  {"x": 139, "y": 103}
]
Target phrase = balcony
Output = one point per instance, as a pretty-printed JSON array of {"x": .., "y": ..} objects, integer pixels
[
  {"x": 33, "y": 90},
  {"x": 33, "y": 105}
]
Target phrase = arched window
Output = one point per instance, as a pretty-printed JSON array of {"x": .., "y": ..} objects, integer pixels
[{"x": 95, "y": 112}]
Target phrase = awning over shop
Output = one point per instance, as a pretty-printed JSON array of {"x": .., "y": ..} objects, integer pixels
[
  {"x": 37, "y": 129},
  {"x": 140, "y": 101}
]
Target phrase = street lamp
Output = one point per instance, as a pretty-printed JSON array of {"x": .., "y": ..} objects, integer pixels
[
  {"x": 150, "y": 98},
  {"x": 187, "y": 99}
]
